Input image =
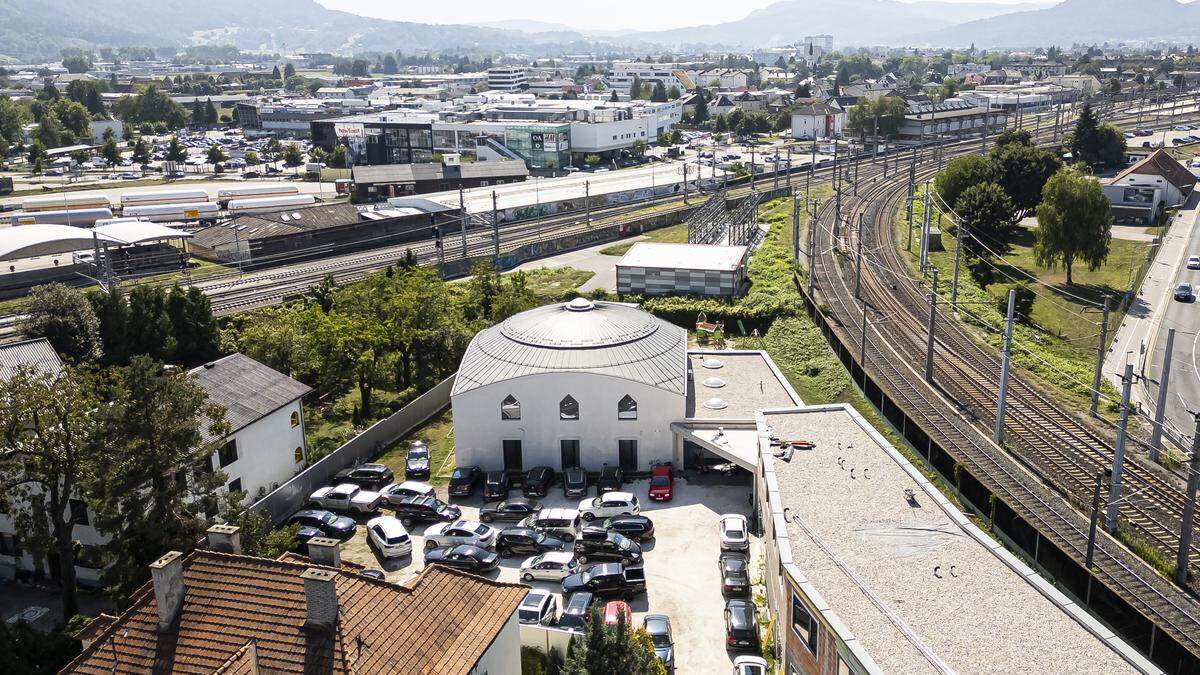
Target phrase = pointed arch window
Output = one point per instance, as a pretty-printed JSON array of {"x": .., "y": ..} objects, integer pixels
[
  {"x": 568, "y": 409},
  {"x": 627, "y": 408},
  {"x": 510, "y": 408}
]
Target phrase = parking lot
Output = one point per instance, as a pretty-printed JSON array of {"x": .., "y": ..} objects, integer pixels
[{"x": 681, "y": 562}]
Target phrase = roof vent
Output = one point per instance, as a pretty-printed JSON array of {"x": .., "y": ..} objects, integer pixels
[
  {"x": 714, "y": 382},
  {"x": 716, "y": 404},
  {"x": 580, "y": 305},
  {"x": 712, "y": 364}
]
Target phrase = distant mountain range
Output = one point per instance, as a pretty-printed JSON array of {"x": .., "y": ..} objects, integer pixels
[{"x": 38, "y": 29}]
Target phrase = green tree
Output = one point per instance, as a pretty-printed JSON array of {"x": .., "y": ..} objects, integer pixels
[
  {"x": 389, "y": 65},
  {"x": 141, "y": 152},
  {"x": 24, "y": 649},
  {"x": 158, "y": 426},
  {"x": 193, "y": 326},
  {"x": 986, "y": 216},
  {"x": 635, "y": 88},
  {"x": 51, "y": 133},
  {"x": 175, "y": 151},
  {"x": 1014, "y": 136},
  {"x": 1094, "y": 143},
  {"x": 64, "y": 317},
  {"x": 961, "y": 173},
  {"x": 293, "y": 155},
  {"x": 48, "y": 449},
  {"x": 1022, "y": 170},
  {"x": 150, "y": 331},
  {"x": 150, "y": 105},
  {"x": 615, "y": 97},
  {"x": 338, "y": 158},
  {"x": 252, "y": 159},
  {"x": 887, "y": 111},
  {"x": 611, "y": 649},
  {"x": 659, "y": 93},
  {"x": 289, "y": 71},
  {"x": 360, "y": 68},
  {"x": 1073, "y": 223},
  {"x": 37, "y": 152},
  {"x": 112, "y": 313},
  {"x": 77, "y": 64},
  {"x": 110, "y": 152},
  {"x": 701, "y": 115},
  {"x": 275, "y": 74},
  {"x": 216, "y": 156},
  {"x": 210, "y": 112}
]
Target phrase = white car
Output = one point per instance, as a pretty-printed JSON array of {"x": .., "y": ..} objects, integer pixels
[
  {"x": 393, "y": 494},
  {"x": 749, "y": 665},
  {"x": 549, "y": 566},
  {"x": 733, "y": 532},
  {"x": 389, "y": 536},
  {"x": 610, "y": 504},
  {"x": 346, "y": 497},
  {"x": 539, "y": 608},
  {"x": 460, "y": 532},
  {"x": 1193, "y": 262}
]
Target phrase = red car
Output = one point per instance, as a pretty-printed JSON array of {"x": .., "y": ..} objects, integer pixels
[
  {"x": 662, "y": 483},
  {"x": 613, "y": 609}
]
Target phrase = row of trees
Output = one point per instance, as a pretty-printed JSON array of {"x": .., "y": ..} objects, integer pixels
[
  {"x": 882, "y": 116},
  {"x": 745, "y": 123}
]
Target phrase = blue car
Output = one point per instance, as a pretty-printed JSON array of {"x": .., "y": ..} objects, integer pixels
[{"x": 328, "y": 522}]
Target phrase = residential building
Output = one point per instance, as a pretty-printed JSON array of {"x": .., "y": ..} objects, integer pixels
[
  {"x": 265, "y": 444},
  {"x": 869, "y": 569},
  {"x": 650, "y": 268},
  {"x": 1086, "y": 85},
  {"x": 722, "y": 78},
  {"x": 508, "y": 78},
  {"x": 1038, "y": 70},
  {"x": 670, "y": 74},
  {"x": 1141, "y": 192},
  {"x": 813, "y": 119},
  {"x": 223, "y": 612}
]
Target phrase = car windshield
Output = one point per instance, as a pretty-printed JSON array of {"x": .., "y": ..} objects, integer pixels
[
  {"x": 418, "y": 454},
  {"x": 482, "y": 529},
  {"x": 735, "y": 564},
  {"x": 459, "y": 474},
  {"x": 623, "y": 543},
  {"x": 659, "y": 639},
  {"x": 327, "y": 518},
  {"x": 659, "y": 481}
]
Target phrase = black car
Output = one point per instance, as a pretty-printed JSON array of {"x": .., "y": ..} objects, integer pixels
[
  {"x": 416, "y": 462},
  {"x": 526, "y": 541},
  {"x": 611, "y": 580},
  {"x": 575, "y": 611},
  {"x": 596, "y": 544},
  {"x": 496, "y": 485},
  {"x": 463, "y": 557},
  {"x": 510, "y": 510},
  {"x": 366, "y": 476},
  {"x": 611, "y": 478},
  {"x": 464, "y": 479},
  {"x": 735, "y": 573},
  {"x": 637, "y": 527},
  {"x": 303, "y": 534},
  {"x": 537, "y": 481},
  {"x": 333, "y": 525},
  {"x": 575, "y": 483},
  {"x": 415, "y": 509},
  {"x": 741, "y": 625}
]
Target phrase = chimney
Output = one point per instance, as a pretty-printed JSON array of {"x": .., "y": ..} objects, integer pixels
[
  {"x": 325, "y": 551},
  {"x": 320, "y": 597},
  {"x": 167, "y": 574},
  {"x": 225, "y": 538}
]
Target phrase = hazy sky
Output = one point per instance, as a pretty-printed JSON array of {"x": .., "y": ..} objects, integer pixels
[{"x": 597, "y": 15}]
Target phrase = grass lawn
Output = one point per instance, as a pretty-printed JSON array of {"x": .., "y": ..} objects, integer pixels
[
  {"x": 550, "y": 283},
  {"x": 672, "y": 234},
  {"x": 438, "y": 434}
]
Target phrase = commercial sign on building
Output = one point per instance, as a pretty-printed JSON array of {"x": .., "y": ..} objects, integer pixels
[{"x": 350, "y": 131}]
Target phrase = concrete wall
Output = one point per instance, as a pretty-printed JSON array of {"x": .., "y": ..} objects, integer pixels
[
  {"x": 479, "y": 433},
  {"x": 293, "y": 494},
  {"x": 546, "y": 638},
  {"x": 503, "y": 656}
]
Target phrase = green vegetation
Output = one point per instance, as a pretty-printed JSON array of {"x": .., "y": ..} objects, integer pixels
[
  {"x": 438, "y": 434},
  {"x": 672, "y": 234},
  {"x": 611, "y": 649},
  {"x": 1147, "y": 552}
]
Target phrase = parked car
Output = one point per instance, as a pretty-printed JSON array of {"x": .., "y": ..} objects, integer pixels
[
  {"x": 304, "y": 533},
  {"x": 366, "y": 476},
  {"x": 609, "y": 504},
  {"x": 662, "y": 483},
  {"x": 526, "y": 541},
  {"x": 575, "y": 611},
  {"x": 750, "y": 665},
  {"x": 610, "y": 480},
  {"x": 537, "y": 481},
  {"x": 463, "y": 557},
  {"x": 575, "y": 483},
  {"x": 735, "y": 573},
  {"x": 1193, "y": 262},
  {"x": 638, "y": 528},
  {"x": 659, "y": 628},
  {"x": 389, "y": 536},
  {"x": 416, "y": 462},
  {"x": 1184, "y": 293},
  {"x": 346, "y": 497},
  {"x": 734, "y": 537},
  {"x": 464, "y": 479},
  {"x": 561, "y": 523},
  {"x": 331, "y": 524},
  {"x": 460, "y": 532},
  {"x": 549, "y": 566},
  {"x": 509, "y": 510},
  {"x": 607, "y": 581},
  {"x": 539, "y": 608},
  {"x": 614, "y": 610},
  {"x": 496, "y": 485},
  {"x": 741, "y": 625},
  {"x": 596, "y": 544},
  {"x": 425, "y": 509},
  {"x": 394, "y": 494}
]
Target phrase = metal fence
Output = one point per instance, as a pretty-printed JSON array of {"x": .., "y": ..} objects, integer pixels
[{"x": 292, "y": 495}]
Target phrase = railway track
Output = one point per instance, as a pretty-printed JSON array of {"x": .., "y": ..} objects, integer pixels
[{"x": 1049, "y": 446}]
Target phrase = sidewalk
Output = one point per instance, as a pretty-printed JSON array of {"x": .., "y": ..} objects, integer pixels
[{"x": 1136, "y": 335}]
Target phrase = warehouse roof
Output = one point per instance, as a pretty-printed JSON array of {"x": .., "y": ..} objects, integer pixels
[
  {"x": 140, "y": 231},
  {"x": 411, "y": 173},
  {"x": 253, "y": 226},
  {"x": 684, "y": 256},
  {"x": 248, "y": 390},
  {"x": 605, "y": 338}
]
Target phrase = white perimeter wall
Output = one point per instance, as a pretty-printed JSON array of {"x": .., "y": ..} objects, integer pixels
[{"x": 503, "y": 657}]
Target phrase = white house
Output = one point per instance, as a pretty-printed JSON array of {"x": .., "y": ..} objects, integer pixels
[
  {"x": 814, "y": 119},
  {"x": 1141, "y": 192},
  {"x": 265, "y": 445}
]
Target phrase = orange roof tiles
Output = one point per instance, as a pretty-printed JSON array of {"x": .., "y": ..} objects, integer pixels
[{"x": 441, "y": 622}]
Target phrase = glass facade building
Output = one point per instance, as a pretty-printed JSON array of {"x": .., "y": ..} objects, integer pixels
[{"x": 544, "y": 146}]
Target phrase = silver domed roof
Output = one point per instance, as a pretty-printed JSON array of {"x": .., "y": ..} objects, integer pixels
[{"x": 601, "y": 337}]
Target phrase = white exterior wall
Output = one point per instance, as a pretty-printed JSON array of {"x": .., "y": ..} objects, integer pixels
[
  {"x": 479, "y": 432},
  {"x": 503, "y": 656},
  {"x": 266, "y": 451},
  {"x": 605, "y": 136},
  {"x": 1170, "y": 194},
  {"x": 813, "y": 126},
  {"x": 84, "y": 534}
]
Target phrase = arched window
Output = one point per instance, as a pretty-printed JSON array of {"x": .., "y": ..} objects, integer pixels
[
  {"x": 295, "y": 419},
  {"x": 510, "y": 408},
  {"x": 568, "y": 409},
  {"x": 627, "y": 408},
  {"x": 299, "y": 454}
]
